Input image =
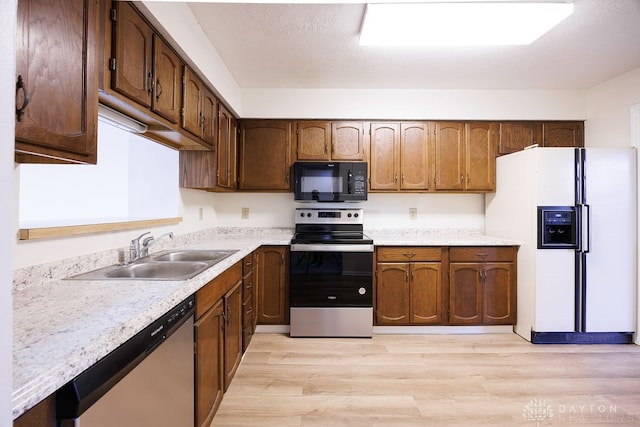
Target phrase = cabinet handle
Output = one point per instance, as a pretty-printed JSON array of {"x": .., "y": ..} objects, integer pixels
[
  {"x": 149, "y": 83},
  {"x": 228, "y": 318},
  {"x": 482, "y": 254},
  {"x": 21, "y": 86},
  {"x": 395, "y": 178},
  {"x": 159, "y": 89},
  {"x": 461, "y": 178},
  {"x": 407, "y": 274},
  {"x": 409, "y": 254},
  {"x": 325, "y": 149}
]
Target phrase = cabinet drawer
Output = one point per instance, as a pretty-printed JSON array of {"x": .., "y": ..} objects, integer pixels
[
  {"x": 409, "y": 253},
  {"x": 210, "y": 293},
  {"x": 482, "y": 253},
  {"x": 247, "y": 265}
]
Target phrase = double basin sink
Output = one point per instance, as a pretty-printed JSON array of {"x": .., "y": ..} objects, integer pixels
[{"x": 166, "y": 265}]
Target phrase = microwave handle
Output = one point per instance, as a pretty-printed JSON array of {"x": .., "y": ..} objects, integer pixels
[{"x": 349, "y": 182}]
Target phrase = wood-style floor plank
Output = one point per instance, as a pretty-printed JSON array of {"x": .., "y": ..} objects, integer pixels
[{"x": 431, "y": 380}]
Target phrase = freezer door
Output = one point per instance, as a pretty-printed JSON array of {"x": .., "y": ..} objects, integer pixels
[{"x": 609, "y": 268}]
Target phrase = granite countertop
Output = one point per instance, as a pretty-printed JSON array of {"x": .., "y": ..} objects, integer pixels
[{"x": 62, "y": 327}]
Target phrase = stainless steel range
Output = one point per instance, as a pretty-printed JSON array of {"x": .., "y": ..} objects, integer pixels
[{"x": 331, "y": 275}]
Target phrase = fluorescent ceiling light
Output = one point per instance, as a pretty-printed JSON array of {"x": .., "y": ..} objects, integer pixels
[{"x": 459, "y": 24}]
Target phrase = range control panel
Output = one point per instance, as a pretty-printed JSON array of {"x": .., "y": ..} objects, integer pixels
[{"x": 329, "y": 216}]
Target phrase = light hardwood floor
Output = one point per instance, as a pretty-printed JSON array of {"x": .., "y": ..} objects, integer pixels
[{"x": 431, "y": 380}]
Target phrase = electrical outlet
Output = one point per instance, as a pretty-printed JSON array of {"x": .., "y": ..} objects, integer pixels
[
  {"x": 200, "y": 214},
  {"x": 245, "y": 213},
  {"x": 413, "y": 213}
]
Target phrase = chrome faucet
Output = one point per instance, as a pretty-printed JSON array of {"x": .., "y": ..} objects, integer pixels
[
  {"x": 134, "y": 248},
  {"x": 146, "y": 243},
  {"x": 138, "y": 250}
]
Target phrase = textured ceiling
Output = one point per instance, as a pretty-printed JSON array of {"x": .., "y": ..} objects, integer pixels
[{"x": 316, "y": 46}]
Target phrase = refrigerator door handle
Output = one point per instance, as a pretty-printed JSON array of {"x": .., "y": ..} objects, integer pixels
[{"x": 585, "y": 233}]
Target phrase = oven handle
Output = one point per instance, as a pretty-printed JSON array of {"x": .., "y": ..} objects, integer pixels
[{"x": 328, "y": 247}]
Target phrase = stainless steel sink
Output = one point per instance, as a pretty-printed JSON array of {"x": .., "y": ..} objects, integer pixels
[
  {"x": 166, "y": 265},
  {"x": 193, "y": 255},
  {"x": 158, "y": 270}
]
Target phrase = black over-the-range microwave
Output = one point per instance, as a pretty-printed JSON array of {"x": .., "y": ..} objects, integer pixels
[{"x": 330, "y": 181}]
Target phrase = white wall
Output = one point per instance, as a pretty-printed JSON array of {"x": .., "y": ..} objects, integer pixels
[
  {"x": 381, "y": 210},
  {"x": 609, "y": 111},
  {"x": 8, "y": 216},
  {"x": 414, "y": 104}
]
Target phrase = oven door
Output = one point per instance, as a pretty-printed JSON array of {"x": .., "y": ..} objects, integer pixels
[{"x": 331, "y": 278}]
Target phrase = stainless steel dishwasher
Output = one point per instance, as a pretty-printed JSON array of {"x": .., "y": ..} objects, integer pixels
[{"x": 147, "y": 381}]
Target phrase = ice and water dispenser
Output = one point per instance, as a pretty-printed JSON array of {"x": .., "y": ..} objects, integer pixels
[{"x": 557, "y": 227}]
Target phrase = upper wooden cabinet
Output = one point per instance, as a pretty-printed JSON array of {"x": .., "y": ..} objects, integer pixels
[
  {"x": 225, "y": 150},
  {"x": 322, "y": 140},
  {"x": 515, "y": 136},
  {"x": 166, "y": 99},
  {"x": 131, "y": 64},
  {"x": 449, "y": 156},
  {"x": 200, "y": 109},
  {"x": 265, "y": 155},
  {"x": 416, "y": 164},
  {"x": 384, "y": 162},
  {"x": 563, "y": 134},
  {"x": 400, "y": 156},
  {"x": 56, "y": 82},
  {"x": 479, "y": 156}
]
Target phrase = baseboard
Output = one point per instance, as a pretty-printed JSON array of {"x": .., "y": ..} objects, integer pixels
[{"x": 409, "y": 330}]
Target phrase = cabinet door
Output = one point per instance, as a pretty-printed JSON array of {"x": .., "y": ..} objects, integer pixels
[
  {"x": 385, "y": 138},
  {"x": 414, "y": 156},
  {"x": 192, "y": 115},
  {"x": 273, "y": 299},
  {"x": 56, "y": 71},
  {"x": 197, "y": 169},
  {"x": 133, "y": 43},
  {"x": 465, "y": 298},
  {"x": 480, "y": 157},
  {"x": 392, "y": 293},
  {"x": 449, "y": 156},
  {"x": 209, "y": 120},
  {"x": 314, "y": 140},
  {"x": 426, "y": 293},
  {"x": 563, "y": 134},
  {"x": 223, "y": 151},
  {"x": 209, "y": 387},
  {"x": 515, "y": 136},
  {"x": 265, "y": 155},
  {"x": 167, "y": 81},
  {"x": 498, "y": 294},
  {"x": 347, "y": 141},
  {"x": 232, "y": 333}
]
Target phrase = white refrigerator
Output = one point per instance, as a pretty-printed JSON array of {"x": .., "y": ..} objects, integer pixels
[{"x": 582, "y": 290}]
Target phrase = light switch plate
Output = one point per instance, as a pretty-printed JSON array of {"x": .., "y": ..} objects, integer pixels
[
  {"x": 413, "y": 213},
  {"x": 245, "y": 213}
]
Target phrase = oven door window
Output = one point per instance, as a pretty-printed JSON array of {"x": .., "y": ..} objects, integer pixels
[{"x": 331, "y": 279}]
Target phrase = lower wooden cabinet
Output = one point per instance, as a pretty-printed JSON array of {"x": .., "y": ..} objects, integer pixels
[
  {"x": 409, "y": 286},
  {"x": 482, "y": 286},
  {"x": 272, "y": 279},
  {"x": 249, "y": 299},
  {"x": 209, "y": 384},
  {"x": 41, "y": 415},
  {"x": 218, "y": 340},
  {"x": 445, "y": 285},
  {"x": 232, "y": 332}
]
